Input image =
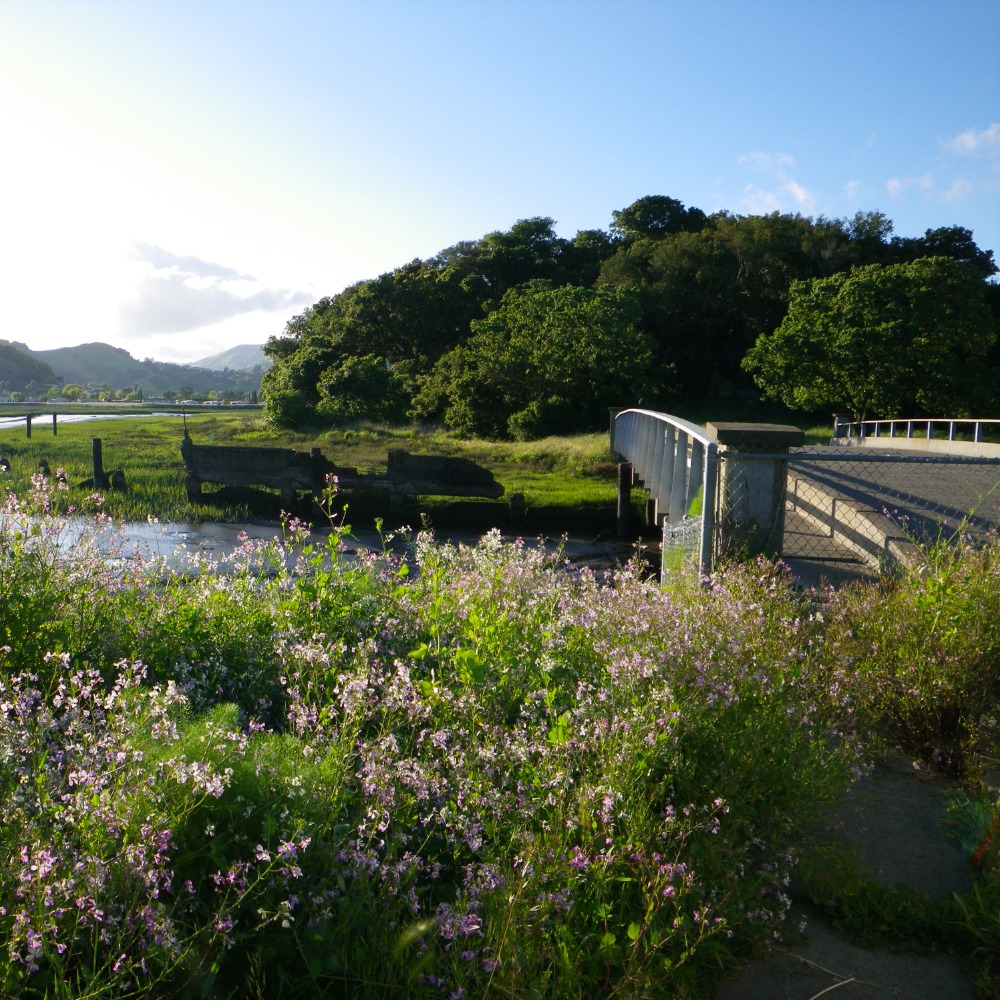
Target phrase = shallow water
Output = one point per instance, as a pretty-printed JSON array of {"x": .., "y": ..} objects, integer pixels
[
  {"x": 211, "y": 545},
  {"x": 45, "y": 419}
]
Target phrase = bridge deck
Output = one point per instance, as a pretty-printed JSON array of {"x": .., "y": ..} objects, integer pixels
[{"x": 854, "y": 511}]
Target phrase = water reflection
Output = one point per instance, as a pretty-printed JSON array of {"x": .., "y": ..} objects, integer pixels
[
  {"x": 211, "y": 546},
  {"x": 39, "y": 419}
]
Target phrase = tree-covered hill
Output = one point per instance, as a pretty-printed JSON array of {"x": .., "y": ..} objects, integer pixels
[
  {"x": 101, "y": 364},
  {"x": 18, "y": 368},
  {"x": 243, "y": 357},
  {"x": 487, "y": 337}
]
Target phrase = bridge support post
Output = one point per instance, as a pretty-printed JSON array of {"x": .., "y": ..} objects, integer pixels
[
  {"x": 652, "y": 513},
  {"x": 753, "y": 476},
  {"x": 625, "y": 474},
  {"x": 613, "y": 412}
]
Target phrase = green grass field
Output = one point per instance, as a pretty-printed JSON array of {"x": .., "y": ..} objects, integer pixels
[{"x": 568, "y": 483}]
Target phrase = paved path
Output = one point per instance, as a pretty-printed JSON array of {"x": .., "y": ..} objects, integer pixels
[{"x": 847, "y": 509}]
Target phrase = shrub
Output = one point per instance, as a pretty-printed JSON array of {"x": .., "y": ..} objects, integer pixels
[{"x": 926, "y": 651}]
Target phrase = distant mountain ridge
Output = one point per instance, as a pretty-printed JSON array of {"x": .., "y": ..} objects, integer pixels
[
  {"x": 103, "y": 364},
  {"x": 239, "y": 358}
]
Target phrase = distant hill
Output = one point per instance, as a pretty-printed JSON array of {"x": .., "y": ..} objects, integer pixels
[
  {"x": 103, "y": 364},
  {"x": 243, "y": 357},
  {"x": 18, "y": 367}
]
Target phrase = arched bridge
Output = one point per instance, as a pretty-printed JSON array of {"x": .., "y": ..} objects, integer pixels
[{"x": 843, "y": 509}]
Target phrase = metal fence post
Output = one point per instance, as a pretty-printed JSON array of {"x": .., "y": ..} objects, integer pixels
[{"x": 706, "y": 549}]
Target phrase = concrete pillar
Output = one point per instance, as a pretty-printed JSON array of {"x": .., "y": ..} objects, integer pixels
[
  {"x": 753, "y": 488},
  {"x": 624, "y": 499},
  {"x": 613, "y": 412}
]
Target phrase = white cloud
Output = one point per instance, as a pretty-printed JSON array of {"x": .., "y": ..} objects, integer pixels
[
  {"x": 800, "y": 195},
  {"x": 176, "y": 294},
  {"x": 972, "y": 142},
  {"x": 767, "y": 163},
  {"x": 165, "y": 260},
  {"x": 959, "y": 188},
  {"x": 757, "y": 201},
  {"x": 898, "y": 186},
  {"x": 852, "y": 190},
  {"x": 784, "y": 193}
]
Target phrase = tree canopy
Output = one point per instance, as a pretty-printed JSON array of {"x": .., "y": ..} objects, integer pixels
[
  {"x": 443, "y": 338},
  {"x": 546, "y": 361},
  {"x": 880, "y": 338}
]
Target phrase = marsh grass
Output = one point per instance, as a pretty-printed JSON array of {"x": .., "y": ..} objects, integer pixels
[
  {"x": 568, "y": 482},
  {"x": 565, "y": 481}
]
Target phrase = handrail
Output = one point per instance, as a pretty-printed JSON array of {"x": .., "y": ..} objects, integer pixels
[
  {"x": 692, "y": 430},
  {"x": 859, "y": 428},
  {"x": 676, "y": 461}
]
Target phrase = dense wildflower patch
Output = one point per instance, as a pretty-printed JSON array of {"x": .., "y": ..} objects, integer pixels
[{"x": 459, "y": 771}]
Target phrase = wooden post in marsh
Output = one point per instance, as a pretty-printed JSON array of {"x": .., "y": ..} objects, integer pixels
[
  {"x": 27, "y": 424},
  {"x": 100, "y": 480},
  {"x": 54, "y": 429}
]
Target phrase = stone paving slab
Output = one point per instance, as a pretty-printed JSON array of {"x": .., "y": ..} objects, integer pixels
[
  {"x": 893, "y": 819},
  {"x": 831, "y": 966}
]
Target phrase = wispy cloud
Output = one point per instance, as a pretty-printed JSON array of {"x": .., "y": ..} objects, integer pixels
[
  {"x": 898, "y": 186},
  {"x": 757, "y": 201},
  {"x": 176, "y": 294},
  {"x": 959, "y": 189},
  {"x": 768, "y": 163},
  {"x": 164, "y": 260},
  {"x": 973, "y": 142},
  {"x": 781, "y": 191}
]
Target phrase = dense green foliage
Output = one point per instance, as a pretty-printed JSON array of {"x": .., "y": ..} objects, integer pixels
[
  {"x": 545, "y": 361},
  {"x": 450, "y": 771},
  {"x": 435, "y": 339},
  {"x": 882, "y": 339}
]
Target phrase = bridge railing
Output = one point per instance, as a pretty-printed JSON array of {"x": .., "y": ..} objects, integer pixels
[
  {"x": 925, "y": 427},
  {"x": 677, "y": 462}
]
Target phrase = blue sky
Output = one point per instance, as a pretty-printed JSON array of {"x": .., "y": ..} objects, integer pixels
[{"x": 179, "y": 177}]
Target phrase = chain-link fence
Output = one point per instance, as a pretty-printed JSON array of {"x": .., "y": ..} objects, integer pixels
[
  {"x": 682, "y": 545},
  {"x": 831, "y": 505}
]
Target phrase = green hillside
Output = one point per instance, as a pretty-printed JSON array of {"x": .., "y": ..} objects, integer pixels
[
  {"x": 17, "y": 369},
  {"x": 102, "y": 363}
]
